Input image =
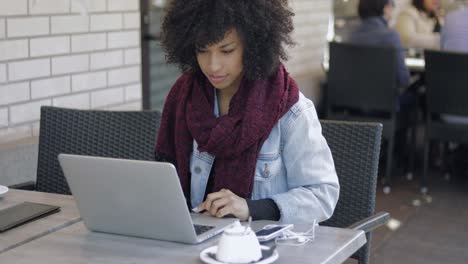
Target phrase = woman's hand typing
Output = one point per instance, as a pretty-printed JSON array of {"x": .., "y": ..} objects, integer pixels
[{"x": 225, "y": 202}]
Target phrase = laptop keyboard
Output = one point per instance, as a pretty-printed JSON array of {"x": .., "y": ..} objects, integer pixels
[{"x": 200, "y": 229}]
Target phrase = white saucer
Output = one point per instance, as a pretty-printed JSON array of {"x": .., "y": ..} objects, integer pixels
[
  {"x": 205, "y": 257},
  {"x": 3, "y": 190}
]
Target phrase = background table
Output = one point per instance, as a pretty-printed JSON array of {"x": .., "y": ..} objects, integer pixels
[
  {"x": 75, "y": 244},
  {"x": 415, "y": 65},
  {"x": 20, "y": 235}
]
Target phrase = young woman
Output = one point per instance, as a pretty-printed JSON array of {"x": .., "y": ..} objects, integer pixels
[
  {"x": 419, "y": 25},
  {"x": 243, "y": 138}
]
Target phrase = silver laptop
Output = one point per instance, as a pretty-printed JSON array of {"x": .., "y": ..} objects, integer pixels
[{"x": 135, "y": 198}]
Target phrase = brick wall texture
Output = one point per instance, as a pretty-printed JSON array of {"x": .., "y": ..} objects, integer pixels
[
  {"x": 311, "y": 25},
  {"x": 54, "y": 53},
  {"x": 64, "y": 53}
]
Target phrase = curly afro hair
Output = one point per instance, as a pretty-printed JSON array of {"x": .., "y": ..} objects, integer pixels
[{"x": 264, "y": 26}]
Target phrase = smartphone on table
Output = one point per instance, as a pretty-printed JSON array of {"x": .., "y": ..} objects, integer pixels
[{"x": 269, "y": 232}]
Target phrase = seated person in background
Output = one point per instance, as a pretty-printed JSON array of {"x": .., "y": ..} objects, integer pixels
[
  {"x": 374, "y": 31},
  {"x": 454, "y": 35},
  {"x": 418, "y": 25},
  {"x": 243, "y": 138}
]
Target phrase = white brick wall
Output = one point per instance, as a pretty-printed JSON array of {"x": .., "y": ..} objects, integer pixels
[
  {"x": 27, "y": 27},
  {"x": 106, "y": 22},
  {"x": 78, "y": 101},
  {"x": 133, "y": 92},
  {"x": 3, "y": 117},
  {"x": 108, "y": 59},
  {"x": 35, "y": 129},
  {"x": 124, "y": 76},
  {"x": 69, "y": 24},
  {"x": 13, "y": 49},
  {"x": 310, "y": 35},
  {"x": 123, "y": 39},
  {"x": 50, "y": 87},
  {"x": 2, "y": 28},
  {"x": 28, "y": 69},
  {"x": 3, "y": 76},
  {"x": 49, "y": 46},
  {"x": 70, "y": 64},
  {"x": 134, "y": 106},
  {"x": 311, "y": 24},
  {"x": 13, "y": 7},
  {"x": 88, "y": 42},
  {"x": 53, "y": 52},
  {"x": 90, "y": 6},
  {"x": 101, "y": 62},
  {"x": 122, "y": 5},
  {"x": 27, "y": 112},
  {"x": 132, "y": 20},
  {"x": 89, "y": 81},
  {"x": 133, "y": 56},
  {"x": 49, "y": 7},
  {"x": 14, "y": 93},
  {"x": 107, "y": 97}
]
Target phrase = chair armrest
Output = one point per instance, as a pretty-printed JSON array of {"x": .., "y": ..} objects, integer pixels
[
  {"x": 370, "y": 223},
  {"x": 29, "y": 185}
]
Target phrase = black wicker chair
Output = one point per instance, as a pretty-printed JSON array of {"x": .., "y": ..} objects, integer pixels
[
  {"x": 355, "y": 147},
  {"x": 362, "y": 86},
  {"x": 446, "y": 93},
  {"x": 115, "y": 134}
]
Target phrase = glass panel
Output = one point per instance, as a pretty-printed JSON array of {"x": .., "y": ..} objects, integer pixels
[
  {"x": 161, "y": 75},
  {"x": 346, "y": 17}
]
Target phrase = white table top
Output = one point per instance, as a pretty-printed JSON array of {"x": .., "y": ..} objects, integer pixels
[
  {"x": 76, "y": 244},
  {"x": 413, "y": 64},
  {"x": 22, "y": 234}
]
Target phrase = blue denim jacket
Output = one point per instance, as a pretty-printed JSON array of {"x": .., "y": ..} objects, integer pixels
[{"x": 295, "y": 168}]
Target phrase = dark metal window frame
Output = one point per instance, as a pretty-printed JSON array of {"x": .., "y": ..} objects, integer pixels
[{"x": 146, "y": 38}]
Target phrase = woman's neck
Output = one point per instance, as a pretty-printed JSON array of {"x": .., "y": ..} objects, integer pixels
[
  {"x": 224, "y": 99},
  {"x": 225, "y": 95}
]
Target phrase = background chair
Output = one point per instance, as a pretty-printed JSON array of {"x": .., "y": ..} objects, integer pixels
[
  {"x": 115, "y": 134},
  {"x": 446, "y": 93},
  {"x": 355, "y": 148},
  {"x": 362, "y": 86}
]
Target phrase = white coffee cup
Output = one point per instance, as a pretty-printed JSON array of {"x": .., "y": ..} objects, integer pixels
[{"x": 238, "y": 244}]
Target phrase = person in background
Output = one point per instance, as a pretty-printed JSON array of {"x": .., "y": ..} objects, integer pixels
[
  {"x": 454, "y": 35},
  {"x": 374, "y": 31},
  {"x": 419, "y": 25},
  {"x": 243, "y": 138}
]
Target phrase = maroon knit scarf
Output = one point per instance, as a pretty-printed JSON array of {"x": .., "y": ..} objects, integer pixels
[{"x": 234, "y": 139}]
